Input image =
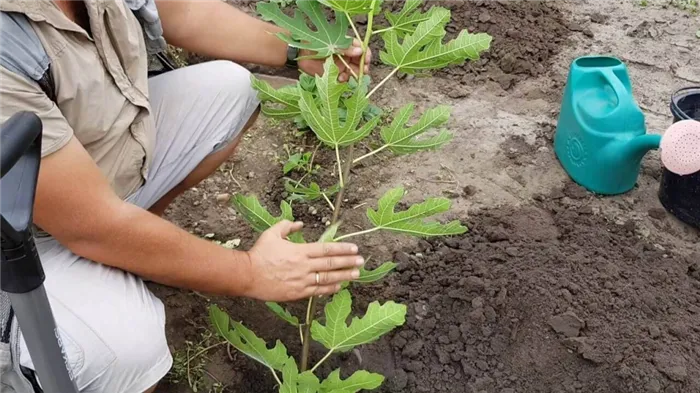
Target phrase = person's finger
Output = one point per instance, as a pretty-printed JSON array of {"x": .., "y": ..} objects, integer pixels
[
  {"x": 343, "y": 77},
  {"x": 285, "y": 227},
  {"x": 319, "y": 250},
  {"x": 355, "y": 50},
  {"x": 334, "y": 277},
  {"x": 335, "y": 263}
]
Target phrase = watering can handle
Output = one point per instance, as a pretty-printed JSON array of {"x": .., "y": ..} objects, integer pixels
[{"x": 616, "y": 84}]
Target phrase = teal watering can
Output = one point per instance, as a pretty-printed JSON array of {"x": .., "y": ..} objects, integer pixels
[{"x": 601, "y": 135}]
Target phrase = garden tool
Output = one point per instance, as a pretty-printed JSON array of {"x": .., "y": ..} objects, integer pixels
[
  {"x": 21, "y": 273},
  {"x": 601, "y": 135}
]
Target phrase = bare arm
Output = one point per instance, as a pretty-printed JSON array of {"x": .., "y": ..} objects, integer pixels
[
  {"x": 220, "y": 30},
  {"x": 77, "y": 206}
]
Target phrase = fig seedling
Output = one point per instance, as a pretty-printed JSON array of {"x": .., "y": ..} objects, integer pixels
[{"x": 340, "y": 115}]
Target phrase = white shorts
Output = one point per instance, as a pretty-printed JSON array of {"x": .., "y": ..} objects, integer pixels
[{"x": 112, "y": 326}]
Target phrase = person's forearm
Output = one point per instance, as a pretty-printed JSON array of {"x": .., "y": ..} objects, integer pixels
[
  {"x": 219, "y": 30},
  {"x": 139, "y": 242}
]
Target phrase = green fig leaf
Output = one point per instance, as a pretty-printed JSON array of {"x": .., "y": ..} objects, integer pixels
[
  {"x": 323, "y": 115},
  {"x": 329, "y": 235},
  {"x": 406, "y": 140},
  {"x": 360, "y": 380},
  {"x": 411, "y": 221},
  {"x": 290, "y": 375},
  {"x": 282, "y": 103},
  {"x": 307, "y": 382},
  {"x": 246, "y": 341},
  {"x": 260, "y": 219},
  {"x": 423, "y": 50},
  {"x": 406, "y": 21},
  {"x": 325, "y": 39},
  {"x": 283, "y": 313},
  {"x": 336, "y": 335},
  {"x": 370, "y": 276},
  {"x": 311, "y": 193},
  {"x": 354, "y": 7},
  {"x": 293, "y": 382}
]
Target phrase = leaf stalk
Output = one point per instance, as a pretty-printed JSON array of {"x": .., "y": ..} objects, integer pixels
[
  {"x": 349, "y": 235},
  {"x": 370, "y": 154},
  {"x": 354, "y": 28},
  {"x": 322, "y": 360},
  {"x": 340, "y": 167},
  {"x": 385, "y": 80}
]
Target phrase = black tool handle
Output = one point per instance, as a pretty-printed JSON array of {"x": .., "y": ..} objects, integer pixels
[{"x": 20, "y": 154}]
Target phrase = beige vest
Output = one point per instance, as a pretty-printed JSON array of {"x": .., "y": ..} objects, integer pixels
[{"x": 101, "y": 86}]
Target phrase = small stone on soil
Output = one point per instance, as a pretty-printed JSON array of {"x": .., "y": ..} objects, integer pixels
[
  {"x": 474, "y": 284},
  {"x": 398, "y": 382},
  {"x": 568, "y": 324},
  {"x": 671, "y": 365},
  {"x": 657, "y": 213},
  {"x": 412, "y": 349},
  {"x": 223, "y": 198}
]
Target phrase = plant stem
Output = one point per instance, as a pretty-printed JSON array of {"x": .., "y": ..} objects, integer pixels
[
  {"x": 365, "y": 44},
  {"x": 349, "y": 235},
  {"x": 328, "y": 200},
  {"x": 301, "y": 333},
  {"x": 311, "y": 310},
  {"x": 370, "y": 154},
  {"x": 340, "y": 166},
  {"x": 354, "y": 28},
  {"x": 385, "y": 80},
  {"x": 322, "y": 360},
  {"x": 201, "y": 351},
  {"x": 348, "y": 66}
]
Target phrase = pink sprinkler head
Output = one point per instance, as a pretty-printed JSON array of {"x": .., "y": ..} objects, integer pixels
[{"x": 680, "y": 148}]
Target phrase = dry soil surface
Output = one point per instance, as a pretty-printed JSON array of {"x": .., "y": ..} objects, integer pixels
[{"x": 553, "y": 289}]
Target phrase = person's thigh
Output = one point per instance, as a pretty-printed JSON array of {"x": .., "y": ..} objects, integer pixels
[
  {"x": 111, "y": 326},
  {"x": 198, "y": 111}
]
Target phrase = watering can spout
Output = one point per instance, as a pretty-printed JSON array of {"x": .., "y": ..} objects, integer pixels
[{"x": 636, "y": 148}]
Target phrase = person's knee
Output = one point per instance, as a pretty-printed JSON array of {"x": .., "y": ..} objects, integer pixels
[{"x": 233, "y": 81}]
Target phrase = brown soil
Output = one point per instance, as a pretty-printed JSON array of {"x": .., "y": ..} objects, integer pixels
[
  {"x": 545, "y": 298},
  {"x": 526, "y": 35}
]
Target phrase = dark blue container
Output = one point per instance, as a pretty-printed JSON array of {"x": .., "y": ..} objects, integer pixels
[{"x": 680, "y": 195}]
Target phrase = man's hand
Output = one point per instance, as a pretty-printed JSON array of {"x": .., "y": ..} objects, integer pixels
[
  {"x": 352, "y": 57},
  {"x": 285, "y": 271}
]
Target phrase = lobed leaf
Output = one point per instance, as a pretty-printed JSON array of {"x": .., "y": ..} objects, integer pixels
[
  {"x": 259, "y": 218},
  {"x": 369, "y": 276},
  {"x": 336, "y": 335},
  {"x": 285, "y": 100},
  {"x": 283, "y": 313},
  {"x": 423, "y": 49},
  {"x": 329, "y": 235},
  {"x": 360, "y": 380},
  {"x": 353, "y": 7},
  {"x": 311, "y": 193},
  {"x": 406, "y": 140},
  {"x": 246, "y": 341},
  {"x": 325, "y": 39},
  {"x": 406, "y": 21},
  {"x": 411, "y": 221},
  {"x": 293, "y": 382},
  {"x": 323, "y": 114}
]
